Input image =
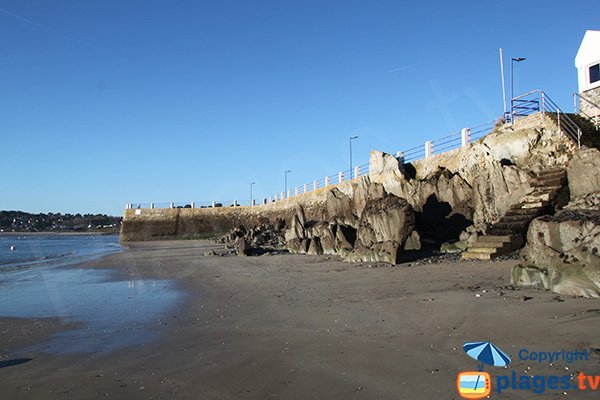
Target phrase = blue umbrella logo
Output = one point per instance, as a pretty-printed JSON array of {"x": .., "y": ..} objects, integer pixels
[{"x": 486, "y": 353}]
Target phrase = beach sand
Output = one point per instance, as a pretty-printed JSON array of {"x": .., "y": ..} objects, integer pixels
[{"x": 308, "y": 327}]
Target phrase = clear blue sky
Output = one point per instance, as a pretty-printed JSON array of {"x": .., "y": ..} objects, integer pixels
[{"x": 108, "y": 102}]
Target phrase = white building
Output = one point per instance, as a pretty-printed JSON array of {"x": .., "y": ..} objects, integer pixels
[{"x": 587, "y": 62}]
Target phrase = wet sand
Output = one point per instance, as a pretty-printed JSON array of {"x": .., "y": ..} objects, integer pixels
[{"x": 304, "y": 327}]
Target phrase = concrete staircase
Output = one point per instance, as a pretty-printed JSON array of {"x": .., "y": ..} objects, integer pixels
[{"x": 508, "y": 234}]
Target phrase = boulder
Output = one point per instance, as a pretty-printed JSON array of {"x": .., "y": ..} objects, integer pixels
[
  {"x": 365, "y": 190},
  {"x": 314, "y": 247},
  {"x": 339, "y": 207},
  {"x": 563, "y": 254},
  {"x": 325, "y": 232},
  {"x": 384, "y": 226},
  {"x": 297, "y": 229},
  {"x": 242, "y": 247},
  {"x": 583, "y": 172},
  {"x": 299, "y": 246},
  {"x": 413, "y": 242},
  {"x": 345, "y": 237}
]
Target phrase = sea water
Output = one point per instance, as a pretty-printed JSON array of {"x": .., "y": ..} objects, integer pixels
[{"x": 39, "y": 279}]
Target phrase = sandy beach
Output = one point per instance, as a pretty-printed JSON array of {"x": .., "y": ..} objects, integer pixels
[{"x": 307, "y": 327}]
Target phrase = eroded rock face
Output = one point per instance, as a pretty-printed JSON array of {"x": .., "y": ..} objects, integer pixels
[
  {"x": 340, "y": 207},
  {"x": 563, "y": 254},
  {"x": 583, "y": 172},
  {"x": 384, "y": 226}
]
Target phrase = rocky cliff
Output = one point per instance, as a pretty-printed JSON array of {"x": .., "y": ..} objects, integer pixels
[
  {"x": 563, "y": 251},
  {"x": 424, "y": 203}
]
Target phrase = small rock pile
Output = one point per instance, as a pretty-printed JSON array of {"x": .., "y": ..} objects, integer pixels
[{"x": 264, "y": 238}]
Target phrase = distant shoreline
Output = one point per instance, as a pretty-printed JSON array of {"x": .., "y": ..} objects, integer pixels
[{"x": 57, "y": 233}]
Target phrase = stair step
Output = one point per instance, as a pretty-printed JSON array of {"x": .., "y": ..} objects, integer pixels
[
  {"x": 497, "y": 239},
  {"x": 553, "y": 172},
  {"x": 488, "y": 245},
  {"x": 546, "y": 182},
  {"x": 532, "y": 198},
  {"x": 537, "y": 204},
  {"x": 516, "y": 218},
  {"x": 469, "y": 255}
]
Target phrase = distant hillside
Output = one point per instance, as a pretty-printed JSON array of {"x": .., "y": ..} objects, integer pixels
[{"x": 19, "y": 221}]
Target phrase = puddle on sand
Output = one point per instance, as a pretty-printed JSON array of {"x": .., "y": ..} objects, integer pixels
[{"x": 111, "y": 314}]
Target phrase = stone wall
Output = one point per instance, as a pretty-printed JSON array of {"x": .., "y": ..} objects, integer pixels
[
  {"x": 592, "y": 95},
  {"x": 152, "y": 224}
]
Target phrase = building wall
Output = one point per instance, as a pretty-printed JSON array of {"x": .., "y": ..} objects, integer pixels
[{"x": 592, "y": 95}]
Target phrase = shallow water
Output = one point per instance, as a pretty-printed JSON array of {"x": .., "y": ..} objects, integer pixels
[{"x": 109, "y": 314}]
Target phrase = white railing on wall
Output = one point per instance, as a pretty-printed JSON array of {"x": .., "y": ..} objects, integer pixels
[{"x": 430, "y": 148}]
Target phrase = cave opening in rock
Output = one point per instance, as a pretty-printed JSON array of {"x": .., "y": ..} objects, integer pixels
[{"x": 437, "y": 223}]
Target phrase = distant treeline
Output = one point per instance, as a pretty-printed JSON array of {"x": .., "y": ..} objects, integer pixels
[{"x": 19, "y": 221}]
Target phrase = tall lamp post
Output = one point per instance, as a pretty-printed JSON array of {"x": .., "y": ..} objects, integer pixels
[
  {"x": 350, "y": 139},
  {"x": 286, "y": 172},
  {"x": 251, "y": 198},
  {"x": 512, "y": 86}
]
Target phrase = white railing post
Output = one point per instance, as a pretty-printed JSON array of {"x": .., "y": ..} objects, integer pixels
[
  {"x": 465, "y": 135},
  {"x": 315, "y": 185},
  {"x": 171, "y": 205},
  {"x": 428, "y": 149},
  {"x": 193, "y": 204},
  {"x": 356, "y": 171},
  {"x": 214, "y": 203},
  {"x": 282, "y": 196},
  {"x": 306, "y": 188},
  {"x": 152, "y": 206},
  {"x": 340, "y": 176},
  {"x": 253, "y": 202},
  {"x": 327, "y": 181},
  {"x": 235, "y": 203},
  {"x": 400, "y": 157},
  {"x": 264, "y": 201}
]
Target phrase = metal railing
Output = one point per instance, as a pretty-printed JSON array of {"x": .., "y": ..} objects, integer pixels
[
  {"x": 537, "y": 101},
  {"x": 593, "y": 110},
  {"x": 430, "y": 148}
]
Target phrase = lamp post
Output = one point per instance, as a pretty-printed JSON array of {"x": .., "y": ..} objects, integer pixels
[
  {"x": 350, "y": 141},
  {"x": 286, "y": 192},
  {"x": 251, "y": 198},
  {"x": 512, "y": 85}
]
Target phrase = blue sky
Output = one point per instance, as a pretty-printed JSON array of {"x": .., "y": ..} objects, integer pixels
[{"x": 108, "y": 102}]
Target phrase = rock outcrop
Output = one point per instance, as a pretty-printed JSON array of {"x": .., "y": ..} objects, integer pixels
[
  {"x": 384, "y": 226},
  {"x": 563, "y": 254},
  {"x": 582, "y": 179}
]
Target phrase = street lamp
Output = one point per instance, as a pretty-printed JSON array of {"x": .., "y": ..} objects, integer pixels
[
  {"x": 512, "y": 94},
  {"x": 251, "y": 198},
  {"x": 350, "y": 141},
  {"x": 286, "y": 192}
]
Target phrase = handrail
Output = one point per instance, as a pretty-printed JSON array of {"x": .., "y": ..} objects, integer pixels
[
  {"x": 545, "y": 104},
  {"x": 595, "y": 119}
]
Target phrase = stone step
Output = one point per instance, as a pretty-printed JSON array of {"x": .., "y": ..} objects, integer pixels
[
  {"x": 553, "y": 172},
  {"x": 546, "y": 182},
  {"x": 532, "y": 198},
  {"x": 469, "y": 255},
  {"x": 522, "y": 211},
  {"x": 493, "y": 246},
  {"x": 497, "y": 239},
  {"x": 513, "y": 240},
  {"x": 537, "y": 204},
  {"x": 516, "y": 218}
]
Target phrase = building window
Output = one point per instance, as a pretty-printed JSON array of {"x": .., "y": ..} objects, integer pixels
[{"x": 595, "y": 73}]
